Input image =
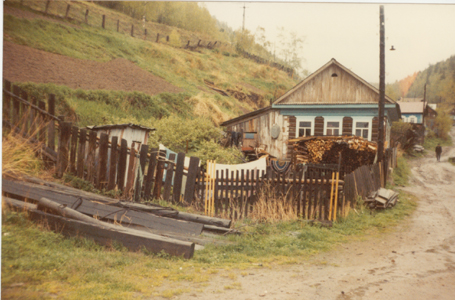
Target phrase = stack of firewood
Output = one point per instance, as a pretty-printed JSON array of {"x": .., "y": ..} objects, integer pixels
[{"x": 354, "y": 151}]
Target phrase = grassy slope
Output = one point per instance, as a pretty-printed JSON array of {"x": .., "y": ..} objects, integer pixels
[{"x": 180, "y": 67}]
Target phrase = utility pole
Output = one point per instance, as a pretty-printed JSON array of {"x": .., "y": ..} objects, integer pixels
[
  {"x": 424, "y": 104},
  {"x": 381, "y": 84},
  {"x": 243, "y": 26}
]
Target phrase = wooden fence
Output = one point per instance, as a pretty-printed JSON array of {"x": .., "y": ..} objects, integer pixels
[{"x": 111, "y": 164}]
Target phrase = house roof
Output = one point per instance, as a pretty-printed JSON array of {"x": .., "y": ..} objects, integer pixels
[
  {"x": 411, "y": 107},
  {"x": 246, "y": 116},
  {"x": 115, "y": 126},
  {"x": 322, "y": 89}
]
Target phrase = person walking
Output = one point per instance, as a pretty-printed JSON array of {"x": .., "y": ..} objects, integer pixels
[{"x": 438, "y": 152}]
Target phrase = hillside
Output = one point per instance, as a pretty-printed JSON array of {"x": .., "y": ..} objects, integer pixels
[{"x": 80, "y": 63}]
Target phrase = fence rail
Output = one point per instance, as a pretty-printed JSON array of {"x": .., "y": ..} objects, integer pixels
[{"x": 311, "y": 192}]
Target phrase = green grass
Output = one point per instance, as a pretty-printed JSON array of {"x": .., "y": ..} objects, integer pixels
[
  {"x": 45, "y": 263},
  {"x": 430, "y": 143},
  {"x": 402, "y": 172}
]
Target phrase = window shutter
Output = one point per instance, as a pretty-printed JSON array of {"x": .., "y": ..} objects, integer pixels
[
  {"x": 375, "y": 130},
  {"x": 347, "y": 126},
  {"x": 319, "y": 126},
  {"x": 292, "y": 135}
]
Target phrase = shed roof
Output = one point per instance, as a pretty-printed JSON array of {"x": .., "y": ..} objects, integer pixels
[{"x": 115, "y": 126}]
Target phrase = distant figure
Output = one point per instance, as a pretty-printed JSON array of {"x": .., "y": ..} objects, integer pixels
[{"x": 438, "y": 152}]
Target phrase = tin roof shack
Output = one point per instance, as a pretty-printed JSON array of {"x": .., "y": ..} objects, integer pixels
[
  {"x": 135, "y": 136},
  {"x": 333, "y": 101}
]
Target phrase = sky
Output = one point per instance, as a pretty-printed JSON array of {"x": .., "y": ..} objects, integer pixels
[{"x": 422, "y": 34}]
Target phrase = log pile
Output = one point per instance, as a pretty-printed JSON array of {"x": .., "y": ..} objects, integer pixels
[{"x": 355, "y": 151}]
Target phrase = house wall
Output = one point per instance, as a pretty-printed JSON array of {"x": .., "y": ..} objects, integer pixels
[
  {"x": 325, "y": 89},
  {"x": 408, "y": 117},
  {"x": 262, "y": 126}
]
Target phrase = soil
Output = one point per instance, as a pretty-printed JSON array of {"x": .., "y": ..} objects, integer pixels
[
  {"x": 414, "y": 261},
  {"x": 25, "y": 64}
]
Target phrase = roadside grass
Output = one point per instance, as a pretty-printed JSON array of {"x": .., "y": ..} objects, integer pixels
[
  {"x": 430, "y": 143},
  {"x": 39, "y": 263}
]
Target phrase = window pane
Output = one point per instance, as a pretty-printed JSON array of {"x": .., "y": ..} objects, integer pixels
[
  {"x": 361, "y": 124},
  {"x": 336, "y": 132},
  {"x": 301, "y": 132},
  {"x": 333, "y": 124},
  {"x": 365, "y": 134},
  {"x": 307, "y": 132},
  {"x": 305, "y": 124},
  {"x": 358, "y": 132}
]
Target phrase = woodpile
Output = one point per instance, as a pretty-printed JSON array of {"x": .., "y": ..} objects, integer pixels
[{"x": 354, "y": 151}]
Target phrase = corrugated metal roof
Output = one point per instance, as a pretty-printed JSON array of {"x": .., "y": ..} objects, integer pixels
[
  {"x": 411, "y": 107},
  {"x": 134, "y": 126}
]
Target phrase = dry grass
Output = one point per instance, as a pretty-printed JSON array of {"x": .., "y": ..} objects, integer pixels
[
  {"x": 271, "y": 207},
  {"x": 20, "y": 155},
  {"x": 204, "y": 106}
]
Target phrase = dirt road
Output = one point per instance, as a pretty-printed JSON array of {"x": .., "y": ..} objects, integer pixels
[{"x": 417, "y": 261}]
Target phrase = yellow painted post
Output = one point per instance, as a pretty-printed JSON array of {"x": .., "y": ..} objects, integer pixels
[
  {"x": 336, "y": 198},
  {"x": 206, "y": 186},
  {"x": 331, "y": 196},
  {"x": 213, "y": 187}
]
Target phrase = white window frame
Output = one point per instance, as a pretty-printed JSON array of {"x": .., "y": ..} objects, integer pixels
[
  {"x": 412, "y": 119},
  {"x": 304, "y": 119},
  {"x": 334, "y": 119},
  {"x": 363, "y": 119}
]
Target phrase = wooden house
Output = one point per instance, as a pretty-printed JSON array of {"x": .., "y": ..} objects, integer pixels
[{"x": 332, "y": 101}]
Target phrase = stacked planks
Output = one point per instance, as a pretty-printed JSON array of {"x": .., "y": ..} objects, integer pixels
[{"x": 354, "y": 151}]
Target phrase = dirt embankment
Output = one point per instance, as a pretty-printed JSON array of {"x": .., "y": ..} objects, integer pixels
[{"x": 25, "y": 64}]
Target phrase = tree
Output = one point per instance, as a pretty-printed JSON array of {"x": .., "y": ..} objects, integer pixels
[
  {"x": 291, "y": 46},
  {"x": 443, "y": 122}
]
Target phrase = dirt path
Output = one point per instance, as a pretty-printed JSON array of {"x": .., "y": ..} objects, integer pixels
[{"x": 416, "y": 261}]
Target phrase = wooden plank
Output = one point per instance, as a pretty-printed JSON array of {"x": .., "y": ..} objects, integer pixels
[
  {"x": 178, "y": 177},
  {"x": 134, "y": 240},
  {"x": 6, "y": 101},
  {"x": 113, "y": 160},
  {"x": 91, "y": 172},
  {"x": 193, "y": 168},
  {"x": 159, "y": 175},
  {"x": 131, "y": 173},
  {"x": 41, "y": 123},
  {"x": 73, "y": 149},
  {"x": 101, "y": 180},
  {"x": 168, "y": 179},
  {"x": 25, "y": 120},
  {"x": 81, "y": 153},
  {"x": 140, "y": 179},
  {"x": 110, "y": 213},
  {"x": 149, "y": 179},
  {"x": 51, "y": 125},
  {"x": 63, "y": 149},
  {"x": 121, "y": 175}
]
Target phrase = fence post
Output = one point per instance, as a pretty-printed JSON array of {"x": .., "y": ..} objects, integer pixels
[
  {"x": 74, "y": 137},
  {"x": 131, "y": 171},
  {"x": 91, "y": 156},
  {"x": 51, "y": 126},
  {"x": 7, "y": 101},
  {"x": 159, "y": 176},
  {"x": 104, "y": 21},
  {"x": 81, "y": 153},
  {"x": 42, "y": 121},
  {"x": 132, "y": 30},
  {"x": 191, "y": 179},
  {"x": 122, "y": 165},
  {"x": 86, "y": 16},
  {"x": 157, "y": 37},
  {"x": 67, "y": 11},
  {"x": 150, "y": 174},
  {"x": 113, "y": 164},
  {"x": 63, "y": 149},
  {"x": 47, "y": 7},
  {"x": 145, "y": 33},
  {"x": 118, "y": 25},
  {"x": 168, "y": 179},
  {"x": 140, "y": 179},
  {"x": 101, "y": 181},
  {"x": 178, "y": 177}
]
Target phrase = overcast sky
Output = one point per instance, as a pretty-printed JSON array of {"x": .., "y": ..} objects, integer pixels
[{"x": 422, "y": 34}]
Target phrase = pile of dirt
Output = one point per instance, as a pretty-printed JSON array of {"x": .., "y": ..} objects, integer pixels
[{"x": 25, "y": 64}]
